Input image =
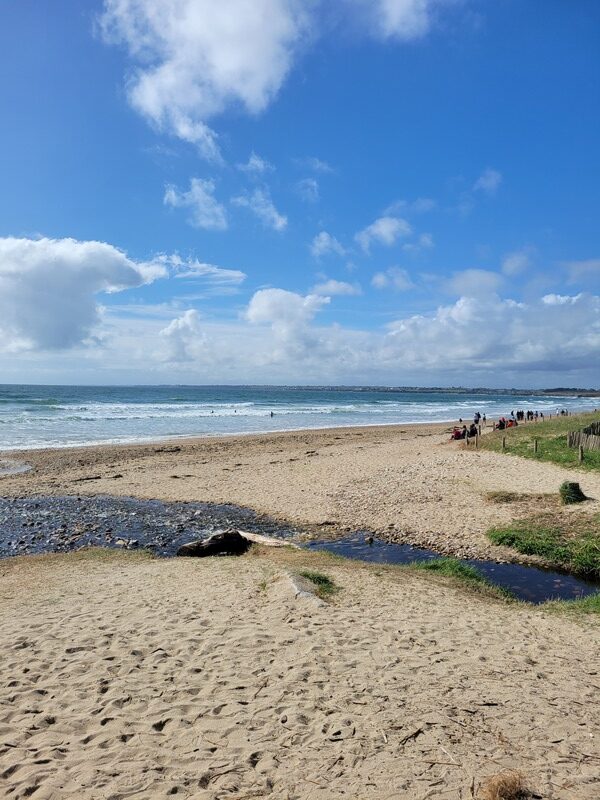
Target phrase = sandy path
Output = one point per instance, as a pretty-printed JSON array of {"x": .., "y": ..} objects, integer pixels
[
  {"x": 409, "y": 482},
  {"x": 130, "y": 678}
]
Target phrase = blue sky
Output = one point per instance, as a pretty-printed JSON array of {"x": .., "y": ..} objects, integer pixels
[{"x": 364, "y": 191}]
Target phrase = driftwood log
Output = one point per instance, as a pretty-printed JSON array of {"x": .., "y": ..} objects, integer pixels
[{"x": 229, "y": 542}]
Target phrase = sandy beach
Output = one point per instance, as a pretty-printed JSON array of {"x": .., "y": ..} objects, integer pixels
[
  {"x": 409, "y": 483},
  {"x": 130, "y": 677},
  {"x": 127, "y": 676}
]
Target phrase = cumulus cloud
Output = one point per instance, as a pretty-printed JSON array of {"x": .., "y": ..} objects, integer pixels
[
  {"x": 260, "y": 204},
  {"x": 182, "y": 338},
  {"x": 332, "y": 287},
  {"x": 196, "y": 58},
  {"x": 488, "y": 182},
  {"x": 385, "y": 230},
  {"x": 255, "y": 165},
  {"x": 205, "y": 210},
  {"x": 517, "y": 262},
  {"x": 48, "y": 289},
  {"x": 493, "y": 333},
  {"x": 392, "y": 278},
  {"x": 308, "y": 190},
  {"x": 324, "y": 243},
  {"x": 289, "y": 316}
]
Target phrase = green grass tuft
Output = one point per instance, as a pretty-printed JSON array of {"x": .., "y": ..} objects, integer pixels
[
  {"x": 465, "y": 574},
  {"x": 579, "y": 554},
  {"x": 325, "y": 586},
  {"x": 586, "y": 605}
]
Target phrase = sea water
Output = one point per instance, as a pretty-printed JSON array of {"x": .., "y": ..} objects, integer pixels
[{"x": 62, "y": 416}]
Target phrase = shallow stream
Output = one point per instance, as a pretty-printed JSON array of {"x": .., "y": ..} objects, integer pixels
[{"x": 61, "y": 524}]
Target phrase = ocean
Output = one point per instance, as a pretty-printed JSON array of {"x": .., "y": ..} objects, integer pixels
[{"x": 62, "y": 416}]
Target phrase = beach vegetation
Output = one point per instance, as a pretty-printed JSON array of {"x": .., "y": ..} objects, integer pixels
[
  {"x": 584, "y": 605},
  {"x": 571, "y": 493},
  {"x": 552, "y": 444},
  {"x": 465, "y": 574},
  {"x": 508, "y": 785},
  {"x": 325, "y": 586},
  {"x": 570, "y": 542},
  {"x": 519, "y": 497}
]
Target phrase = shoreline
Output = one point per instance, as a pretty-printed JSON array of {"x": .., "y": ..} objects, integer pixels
[
  {"x": 175, "y": 438},
  {"x": 406, "y": 483}
]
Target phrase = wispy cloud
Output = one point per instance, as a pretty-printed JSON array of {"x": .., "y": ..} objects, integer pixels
[
  {"x": 308, "y": 190},
  {"x": 261, "y": 205},
  {"x": 333, "y": 287},
  {"x": 488, "y": 182},
  {"x": 517, "y": 261},
  {"x": 392, "y": 278},
  {"x": 324, "y": 244},
  {"x": 205, "y": 210},
  {"x": 255, "y": 165},
  {"x": 314, "y": 164}
]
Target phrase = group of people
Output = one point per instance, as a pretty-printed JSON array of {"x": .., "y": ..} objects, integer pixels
[
  {"x": 527, "y": 416},
  {"x": 472, "y": 430}
]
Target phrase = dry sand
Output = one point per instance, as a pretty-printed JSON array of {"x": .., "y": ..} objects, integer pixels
[
  {"x": 126, "y": 677},
  {"x": 408, "y": 482}
]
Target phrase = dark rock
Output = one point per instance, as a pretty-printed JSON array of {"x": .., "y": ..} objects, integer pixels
[{"x": 222, "y": 543}]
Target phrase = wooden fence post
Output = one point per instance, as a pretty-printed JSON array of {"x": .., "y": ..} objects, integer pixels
[
  {"x": 580, "y": 453},
  {"x": 504, "y": 442},
  {"x": 535, "y": 445}
]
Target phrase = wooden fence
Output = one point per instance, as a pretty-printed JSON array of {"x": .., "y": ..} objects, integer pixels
[{"x": 588, "y": 438}]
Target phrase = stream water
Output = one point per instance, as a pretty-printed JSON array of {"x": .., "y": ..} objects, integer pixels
[
  {"x": 31, "y": 525},
  {"x": 534, "y": 584}
]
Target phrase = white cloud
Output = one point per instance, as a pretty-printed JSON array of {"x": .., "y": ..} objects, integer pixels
[
  {"x": 255, "y": 165},
  {"x": 324, "y": 243},
  {"x": 260, "y": 203},
  {"x": 474, "y": 282},
  {"x": 393, "y": 278},
  {"x": 289, "y": 316},
  {"x": 308, "y": 190},
  {"x": 205, "y": 210},
  {"x": 196, "y": 58},
  {"x": 488, "y": 182},
  {"x": 561, "y": 299},
  {"x": 385, "y": 230},
  {"x": 405, "y": 20},
  {"x": 182, "y": 338},
  {"x": 333, "y": 287},
  {"x": 517, "y": 262},
  {"x": 48, "y": 289},
  {"x": 192, "y": 269},
  {"x": 499, "y": 334}
]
